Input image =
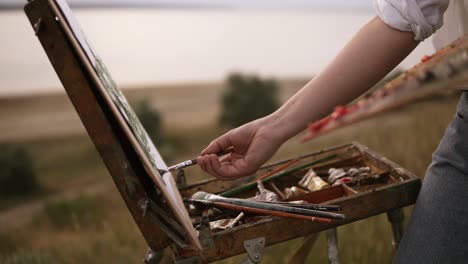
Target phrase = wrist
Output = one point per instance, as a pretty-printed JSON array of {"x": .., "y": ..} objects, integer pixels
[{"x": 277, "y": 127}]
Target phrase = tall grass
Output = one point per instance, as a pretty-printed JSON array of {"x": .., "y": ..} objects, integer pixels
[
  {"x": 28, "y": 258},
  {"x": 99, "y": 229},
  {"x": 78, "y": 212}
]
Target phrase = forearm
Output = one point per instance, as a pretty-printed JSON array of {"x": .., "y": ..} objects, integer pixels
[{"x": 373, "y": 52}]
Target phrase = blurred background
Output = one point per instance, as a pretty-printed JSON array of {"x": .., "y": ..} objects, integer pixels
[{"x": 186, "y": 67}]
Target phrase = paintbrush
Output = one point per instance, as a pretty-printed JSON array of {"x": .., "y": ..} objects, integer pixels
[
  {"x": 259, "y": 211},
  {"x": 305, "y": 205},
  {"x": 191, "y": 162},
  {"x": 267, "y": 206}
]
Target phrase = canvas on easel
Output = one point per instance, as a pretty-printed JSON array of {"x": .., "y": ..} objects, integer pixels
[
  {"x": 116, "y": 104},
  {"x": 127, "y": 118}
]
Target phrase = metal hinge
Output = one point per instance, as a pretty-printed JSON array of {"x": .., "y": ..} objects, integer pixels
[{"x": 254, "y": 248}]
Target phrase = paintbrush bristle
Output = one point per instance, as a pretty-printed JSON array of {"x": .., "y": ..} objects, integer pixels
[{"x": 199, "y": 195}]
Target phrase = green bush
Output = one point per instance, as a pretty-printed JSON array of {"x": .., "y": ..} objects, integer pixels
[
  {"x": 73, "y": 212},
  {"x": 247, "y": 98},
  {"x": 17, "y": 176},
  {"x": 151, "y": 120}
]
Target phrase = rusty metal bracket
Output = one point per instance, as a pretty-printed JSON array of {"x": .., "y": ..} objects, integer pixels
[
  {"x": 254, "y": 248},
  {"x": 169, "y": 226}
]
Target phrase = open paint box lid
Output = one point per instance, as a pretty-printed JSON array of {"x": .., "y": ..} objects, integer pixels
[{"x": 55, "y": 24}]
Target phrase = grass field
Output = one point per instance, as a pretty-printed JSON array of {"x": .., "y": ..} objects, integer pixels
[{"x": 82, "y": 219}]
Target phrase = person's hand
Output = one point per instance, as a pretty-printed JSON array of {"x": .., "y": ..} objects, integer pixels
[{"x": 254, "y": 143}]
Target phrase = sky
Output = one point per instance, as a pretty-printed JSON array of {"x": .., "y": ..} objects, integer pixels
[
  {"x": 235, "y": 4},
  {"x": 147, "y": 46}
]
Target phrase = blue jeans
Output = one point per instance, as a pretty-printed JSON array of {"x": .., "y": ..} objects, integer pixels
[{"x": 438, "y": 229}]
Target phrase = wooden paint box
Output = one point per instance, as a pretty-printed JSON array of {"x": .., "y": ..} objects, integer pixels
[{"x": 395, "y": 188}]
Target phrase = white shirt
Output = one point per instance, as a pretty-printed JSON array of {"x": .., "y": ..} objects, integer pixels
[{"x": 425, "y": 17}]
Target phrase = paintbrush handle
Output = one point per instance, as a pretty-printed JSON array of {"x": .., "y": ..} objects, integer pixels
[
  {"x": 275, "y": 207},
  {"x": 320, "y": 207},
  {"x": 225, "y": 152},
  {"x": 269, "y": 212},
  {"x": 192, "y": 162},
  {"x": 219, "y": 154}
]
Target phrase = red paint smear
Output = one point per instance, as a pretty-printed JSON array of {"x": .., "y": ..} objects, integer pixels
[
  {"x": 318, "y": 125},
  {"x": 338, "y": 113},
  {"x": 425, "y": 58}
]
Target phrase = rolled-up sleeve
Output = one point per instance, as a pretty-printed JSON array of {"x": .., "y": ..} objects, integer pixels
[{"x": 422, "y": 17}]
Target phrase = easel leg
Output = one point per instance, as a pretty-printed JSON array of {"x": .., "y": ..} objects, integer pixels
[
  {"x": 332, "y": 245},
  {"x": 395, "y": 217},
  {"x": 302, "y": 253}
]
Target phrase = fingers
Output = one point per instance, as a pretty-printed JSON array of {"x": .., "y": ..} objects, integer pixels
[
  {"x": 219, "y": 144},
  {"x": 248, "y": 155},
  {"x": 225, "y": 159},
  {"x": 222, "y": 169},
  {"x": 212, "y": 165}
]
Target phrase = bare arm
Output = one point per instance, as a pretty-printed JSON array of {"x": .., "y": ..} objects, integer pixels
[{"x": 373, "y": 52}]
